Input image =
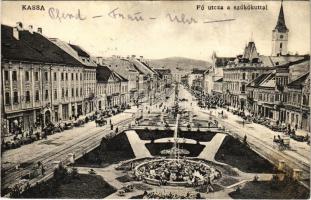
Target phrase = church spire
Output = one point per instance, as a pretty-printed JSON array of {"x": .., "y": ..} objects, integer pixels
[{"x": 280, "y": 25}]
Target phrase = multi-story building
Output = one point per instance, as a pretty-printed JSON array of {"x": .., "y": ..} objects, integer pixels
[
  {"x": 109, "y": 86},
  {"x": 215, "y": 73},
  {"x": 218, "y": 87},
  {"x": 245, "y": 68},
  {"x": 297, "y": 106},
  {"x": 165, "y": 75},
  {"x": 177, "y": 74},
  {"x": 195, "y": 79},
  {"x": 280, "y": 96},
  {"x": 37, "y": 79},
  {"x": 87, "y": 78}
]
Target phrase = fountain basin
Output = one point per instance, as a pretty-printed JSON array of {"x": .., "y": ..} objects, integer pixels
[{"x": 174, "y": 172}]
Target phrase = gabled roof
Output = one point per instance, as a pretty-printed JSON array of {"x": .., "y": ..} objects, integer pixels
[
  {"x": 219, "y": 80},
  {"x": 121, "y": 66},
  {"x": 80, "y": 51},
  {"x": 269, "y": 82},
  {"x": 32, "y": 47},
  {"x": 257, "y": 81},
  {"x": 120, "y": 77},
  {"x": 299, "y": 82},
  {"x": 142, "y": 67},
  {"x": 87, "y": 61},
  {"x": 103, "y": 74}
]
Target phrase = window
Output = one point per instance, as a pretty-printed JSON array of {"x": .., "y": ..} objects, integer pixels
[
  {"x": 37, "y": 95},
  {"x": 62, "y": 76},
  {"x": 253, "y": 76},
  {"x": 298, "y": 98},
  {"x": 6, "y": 75},
  {"x": 63, "y": 93},
  {"x": 14, "y": 76},
  {"x": 277, "y": 97},
  {"x": 7, "y": 98},
  {"x": 81, "y": 76},
  {"x": 77, "y": 76},
  {"x": 243, "y": 76},
  {"x": 27, "y": 96},
  {"x": 81, "y": 92},
  {"x": 46, "y": 94},
  {"x": 55, "y": 94},
  {"x": 305, "y": 100},
  {"x": 46, "y": 77},
  {"x": 55, "y": 76},
  {"x": 15, "y": 97},
  {"x": 72, "y": 75},
  {"x": 66, "y": 76},
  {"x": 271, "y": 98},
  {"x": 72, "y": 92},
  {"x": 281, "y": 36},
  {"x": 281, "y": 45},
  {"x": 66, "y": 92},
  {"x": 26, "y": 75},
  {"x": 77, "y": 92},
  {"x": 36, "y": 76}
]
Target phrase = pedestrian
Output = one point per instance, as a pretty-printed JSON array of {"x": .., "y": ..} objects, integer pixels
[
  {"x": 245, "y": 139},
  {"x": 296, "y": 127},
  {"x": 111, "y": 127},
  {"x": 117, "y": 130},
  {"x": 243, "y": 122}
]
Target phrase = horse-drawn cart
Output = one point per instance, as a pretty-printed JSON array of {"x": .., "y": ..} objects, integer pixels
[
  {"x": 100, "y": 121},
  {"x": 282, "y": 143}
]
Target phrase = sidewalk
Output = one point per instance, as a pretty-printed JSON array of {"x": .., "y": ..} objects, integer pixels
[
  {"x": 137, "y": 145},
  {"x": 212, "y": 147},
  {"x": 56, "y": 141}
]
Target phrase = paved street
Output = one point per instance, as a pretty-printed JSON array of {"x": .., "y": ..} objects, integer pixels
[
  {"x": 258, "y": 136},
  {"x": 18, "y": 162}
]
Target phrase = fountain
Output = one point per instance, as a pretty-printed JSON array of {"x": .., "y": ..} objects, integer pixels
[
  {"x": 175, "y": 152},
  {"x": 176, "y": 171}
]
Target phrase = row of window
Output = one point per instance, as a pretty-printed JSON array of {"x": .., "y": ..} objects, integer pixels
[
  {"x": 37, "y": 96},
  {"x": 237, "y": 76},
  {"x": 64, "y": 76},
  {"x": 291, "y": 98}
]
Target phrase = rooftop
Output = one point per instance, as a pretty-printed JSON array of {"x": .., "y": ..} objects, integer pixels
[{"x": 32, "y": 47}]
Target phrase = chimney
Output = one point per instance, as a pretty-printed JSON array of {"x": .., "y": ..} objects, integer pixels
[
  {"x": 30, "y": 29},
  {"x": 15, "y": 33},
  {"x": 39, "y": 30},
  {"x": 19, "y": 26},
  {"x": 100, "y": 60}
]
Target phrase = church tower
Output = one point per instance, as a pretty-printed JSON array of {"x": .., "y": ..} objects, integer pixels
[{"x": 280, "y": 35}]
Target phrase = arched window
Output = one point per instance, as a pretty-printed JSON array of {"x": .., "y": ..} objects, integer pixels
[{"x": 281, "y": 45}]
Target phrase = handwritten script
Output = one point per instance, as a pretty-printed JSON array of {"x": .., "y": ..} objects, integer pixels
[
  {"x": 56, "y": 14},
  {"x": 138, "y": 16}
]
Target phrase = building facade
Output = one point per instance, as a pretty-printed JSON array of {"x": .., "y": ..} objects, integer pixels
[{"x": 38, "y": 88}]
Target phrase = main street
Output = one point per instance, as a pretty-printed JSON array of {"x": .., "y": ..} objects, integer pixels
[
  {"x": 259, "y": 137},
  {"x": 18, "y": 163}
]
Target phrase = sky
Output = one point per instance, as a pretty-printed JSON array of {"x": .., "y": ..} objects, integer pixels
[{"x": 153, "y": 35}]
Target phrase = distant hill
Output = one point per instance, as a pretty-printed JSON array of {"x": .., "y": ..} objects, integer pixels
[{"x": 179, "y": 63}]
